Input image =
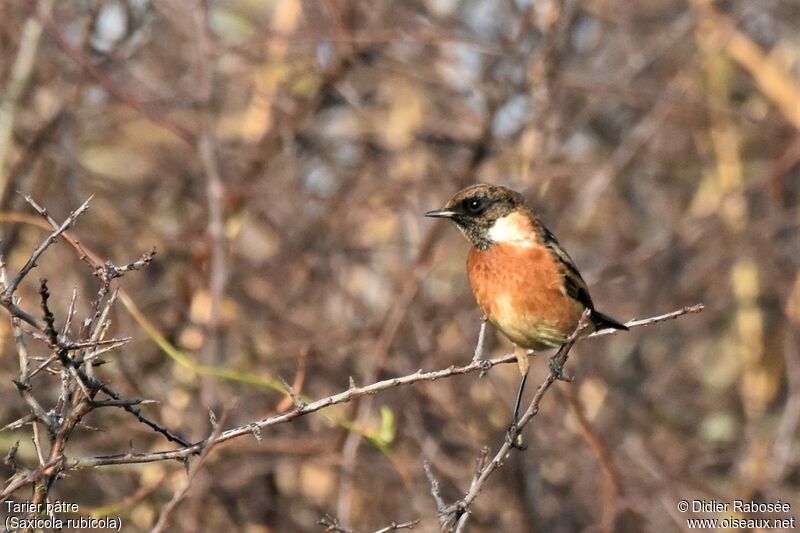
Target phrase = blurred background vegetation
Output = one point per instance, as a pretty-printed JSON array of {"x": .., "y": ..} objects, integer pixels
[{"x": 279, "y": 154}]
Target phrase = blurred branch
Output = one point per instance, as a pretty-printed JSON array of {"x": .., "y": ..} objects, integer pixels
[
  {"x": 114, "y": 88},
  {"x": 17, "y": 81},
  {"x": 625, "y": 152},
  {"x": 612, "y": 484},
  {"x": 774, "y": 81},
  {"x": 185, "y": 361},
  {"x": 783, "y": 449},
  {"x": 207, "y": 151}
]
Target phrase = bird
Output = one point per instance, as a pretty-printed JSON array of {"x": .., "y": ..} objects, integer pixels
[{"x": 524, "y": 282}]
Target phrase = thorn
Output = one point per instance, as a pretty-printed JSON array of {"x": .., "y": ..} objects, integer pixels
[{"x": 299, "y": 403}]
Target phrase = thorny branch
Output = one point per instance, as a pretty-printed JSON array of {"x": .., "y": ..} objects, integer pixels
[
  {"x": 254, "y": 428},
  {"x": 75, "y": 358},
  {"x": 331, "y": 523},
  {"x": 12, "y": 285}
]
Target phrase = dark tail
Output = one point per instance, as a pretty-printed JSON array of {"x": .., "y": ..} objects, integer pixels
[{"x": 602, "y": 321}]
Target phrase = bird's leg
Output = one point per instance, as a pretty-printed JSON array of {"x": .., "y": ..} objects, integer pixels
[
  {"x": 522, "y": 360},
  {"x": 512, "y": 435},
  {"x": 557, "y": 366},
  {"x": 518, "y": 402}
]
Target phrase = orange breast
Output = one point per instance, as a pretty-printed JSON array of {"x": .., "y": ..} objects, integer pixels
[{"x": 518, "y": 286}]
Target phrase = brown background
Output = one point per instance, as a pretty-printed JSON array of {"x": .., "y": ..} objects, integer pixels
[{"x": 279, "y": 154}]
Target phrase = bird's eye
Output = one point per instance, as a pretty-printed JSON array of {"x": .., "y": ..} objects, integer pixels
[{"x": 475, "y": 206}]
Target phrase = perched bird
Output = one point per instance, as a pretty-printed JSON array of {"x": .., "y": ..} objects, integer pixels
[{"x": 524, "y": 282}]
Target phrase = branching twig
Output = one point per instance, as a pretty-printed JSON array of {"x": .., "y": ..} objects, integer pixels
[
  {"x": 49, "y": 318},
  {"x": 75, "y": 368},
  {"x": 37, "y": 253},
  {"x": 331, "y": 523},
  {"x": 441, "y": 506}
]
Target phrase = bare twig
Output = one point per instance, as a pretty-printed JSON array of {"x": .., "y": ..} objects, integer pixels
[
  {"x": 140, "y": 263},
  {"x": 36, "y": 408},
  {"x": 641, "y": 322},
  {"x": 394, "y": 526},
  {"x": 49, "y": 318},
  {"x": 37, "y": 444},
  {"x": 70, "y": 315},
  {"x": 12, "y": 285},
  {"x": 18, "y": 423},
  {"x": 481, "y": 338},
  {"x": 299, "y": 378},
  {"x": 441, "y": 506},
  {"x": 297, "y": 400},
  {"x": 120, "y": 403},
  {"x": 147, "y": 421},
  {"x": 331, "y": 523}
]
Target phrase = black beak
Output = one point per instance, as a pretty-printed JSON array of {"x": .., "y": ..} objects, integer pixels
[{"x": 440, "y": 213}]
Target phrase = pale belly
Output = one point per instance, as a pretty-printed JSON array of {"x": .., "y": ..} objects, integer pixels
[{"x": 528, "y": 330}]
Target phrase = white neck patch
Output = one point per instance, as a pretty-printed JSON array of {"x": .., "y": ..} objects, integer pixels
[{"x": 513, "y": 227}]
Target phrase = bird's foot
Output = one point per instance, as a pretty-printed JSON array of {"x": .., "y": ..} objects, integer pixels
[
  {"x": 514, "y": 437},
  {"x": 557, "y": 368}
]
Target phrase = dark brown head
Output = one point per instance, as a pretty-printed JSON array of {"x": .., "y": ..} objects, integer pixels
[{"x": 476, "y": 210}]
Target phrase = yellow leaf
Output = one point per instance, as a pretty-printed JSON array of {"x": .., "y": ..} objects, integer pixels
[
  {"x": 388, "y": 429},
  {"x": 744, "y": 277}
]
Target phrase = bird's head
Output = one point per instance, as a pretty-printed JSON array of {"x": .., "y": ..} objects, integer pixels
[{"x": 487, "y": 214}]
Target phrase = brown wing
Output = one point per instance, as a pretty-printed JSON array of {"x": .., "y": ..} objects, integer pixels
[
  {"x": 574, "y": 285},
  {"x": 573, "y": 282}
]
